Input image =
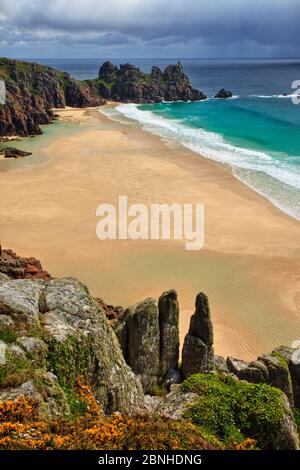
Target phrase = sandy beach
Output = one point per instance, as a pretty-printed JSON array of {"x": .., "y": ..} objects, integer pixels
[{"x": 249, "y": 268}]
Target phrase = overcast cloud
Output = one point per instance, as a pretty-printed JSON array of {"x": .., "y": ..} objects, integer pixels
[{"x": 149, "y": 28}]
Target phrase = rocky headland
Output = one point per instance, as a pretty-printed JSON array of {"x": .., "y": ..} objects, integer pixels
[
  {"x": 33, "y": 91},
  {"x": 69, "y": 356}
]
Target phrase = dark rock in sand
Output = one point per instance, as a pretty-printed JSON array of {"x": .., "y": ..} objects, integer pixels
[{"x": 15, "y": 153}]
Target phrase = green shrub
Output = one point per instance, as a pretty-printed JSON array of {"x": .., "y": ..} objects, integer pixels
[
  {"x": 235, "y": 410},
  {"x": 8, "y": 335}
]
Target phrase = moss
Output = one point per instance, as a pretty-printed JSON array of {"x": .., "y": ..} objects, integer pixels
[
  {"x": 8, "y": 335},
  {"x": 282, "y": 360},
  {"x": 16, "y": 371},
  {"x": 233, "y": 410},
  {"x": 78, "y": 405},
  {"x": 297, "y": 418},
  {"x": 159, "y": 390},
  {"x": 70, "y": 359}
]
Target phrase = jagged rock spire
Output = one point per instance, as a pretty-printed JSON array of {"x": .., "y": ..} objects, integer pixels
[{"x": 197, "y": 353}]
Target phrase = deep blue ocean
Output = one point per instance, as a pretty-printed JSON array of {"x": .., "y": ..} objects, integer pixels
[{"x": 256, "y": 133}]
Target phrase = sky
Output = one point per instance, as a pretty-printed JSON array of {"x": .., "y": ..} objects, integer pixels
[{"x": 149, "y": 28}]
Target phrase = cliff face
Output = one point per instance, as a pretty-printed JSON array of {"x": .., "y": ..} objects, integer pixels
[
  {"x": 129, "y": 84},
  {"x": 32, "y": 91}
]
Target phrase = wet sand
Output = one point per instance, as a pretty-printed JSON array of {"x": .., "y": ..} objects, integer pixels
[{"x": 250, "y": 267}]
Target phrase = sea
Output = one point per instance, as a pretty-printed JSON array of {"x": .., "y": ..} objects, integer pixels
[{"x": 256, "y": 133}]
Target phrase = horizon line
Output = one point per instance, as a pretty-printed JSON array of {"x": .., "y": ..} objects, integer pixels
[{"x": 157, "y": 58}]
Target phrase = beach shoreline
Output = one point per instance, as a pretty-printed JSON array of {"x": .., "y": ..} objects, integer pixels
[{"x": 247, "y": 239}]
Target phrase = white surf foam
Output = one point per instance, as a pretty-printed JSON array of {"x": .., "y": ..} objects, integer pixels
[
  {"x": 213, "y": 146},
  {"x": 293, "y": 95}
]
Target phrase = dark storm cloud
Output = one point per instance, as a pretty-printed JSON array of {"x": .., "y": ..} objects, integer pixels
[{"x": 151, "y": 22}]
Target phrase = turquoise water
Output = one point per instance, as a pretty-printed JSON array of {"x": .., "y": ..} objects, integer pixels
[
  {"x": 36, "y": 145},
  {"x": 257, "y": 137},
  {"x": 257, "y": 134}
]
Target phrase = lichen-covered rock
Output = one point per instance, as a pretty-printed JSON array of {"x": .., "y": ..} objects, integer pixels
[
  {"x": 84, "y": 338},
  {"x": 3, "y": 350},
  {"x": 279, "y": 374},
  {"x": 254, "y": 372},
  {"x": 220, "y": 364},
  {"x": 169, "y": 331},
  {"x": 194, "y": 356},
  {"x": 35, "y": 349},
  {"x": 150, "y": 329},
  {"x": 4, "y": 278},
  {"x": 151, "y": 403},
  {"x": 294, "y": 368},
  {"x": 176, "y": 403},
  {"x": 57, "y": 328},
  {"x": 197, "y": 353},
  {"x": 20, "y": 300},
  {"x": 45, "y": 391},
  {"x": 141, "y": 342}
]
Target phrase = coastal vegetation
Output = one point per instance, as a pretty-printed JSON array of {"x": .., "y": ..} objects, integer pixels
[{"x": 76, "y": 374}]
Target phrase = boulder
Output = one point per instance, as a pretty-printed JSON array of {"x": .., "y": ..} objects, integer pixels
[
  {"x": 43, "y": 390},
  {"x": 176, "y": 403},
  {"x": 279, "y": 375},
  {"x": 80, "y": 329},
  {"x": 223, "y": 94},
  {"x": 254, "y": 372},
  {"x": 291, "y": 356},
  {"x": 197, "y": 353},
  {"x": 19, "y": 299},
  {"x": 220, "y": 364},
  {"x": 57, "y": 328},
  {"x": 15, "y": 153}
]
